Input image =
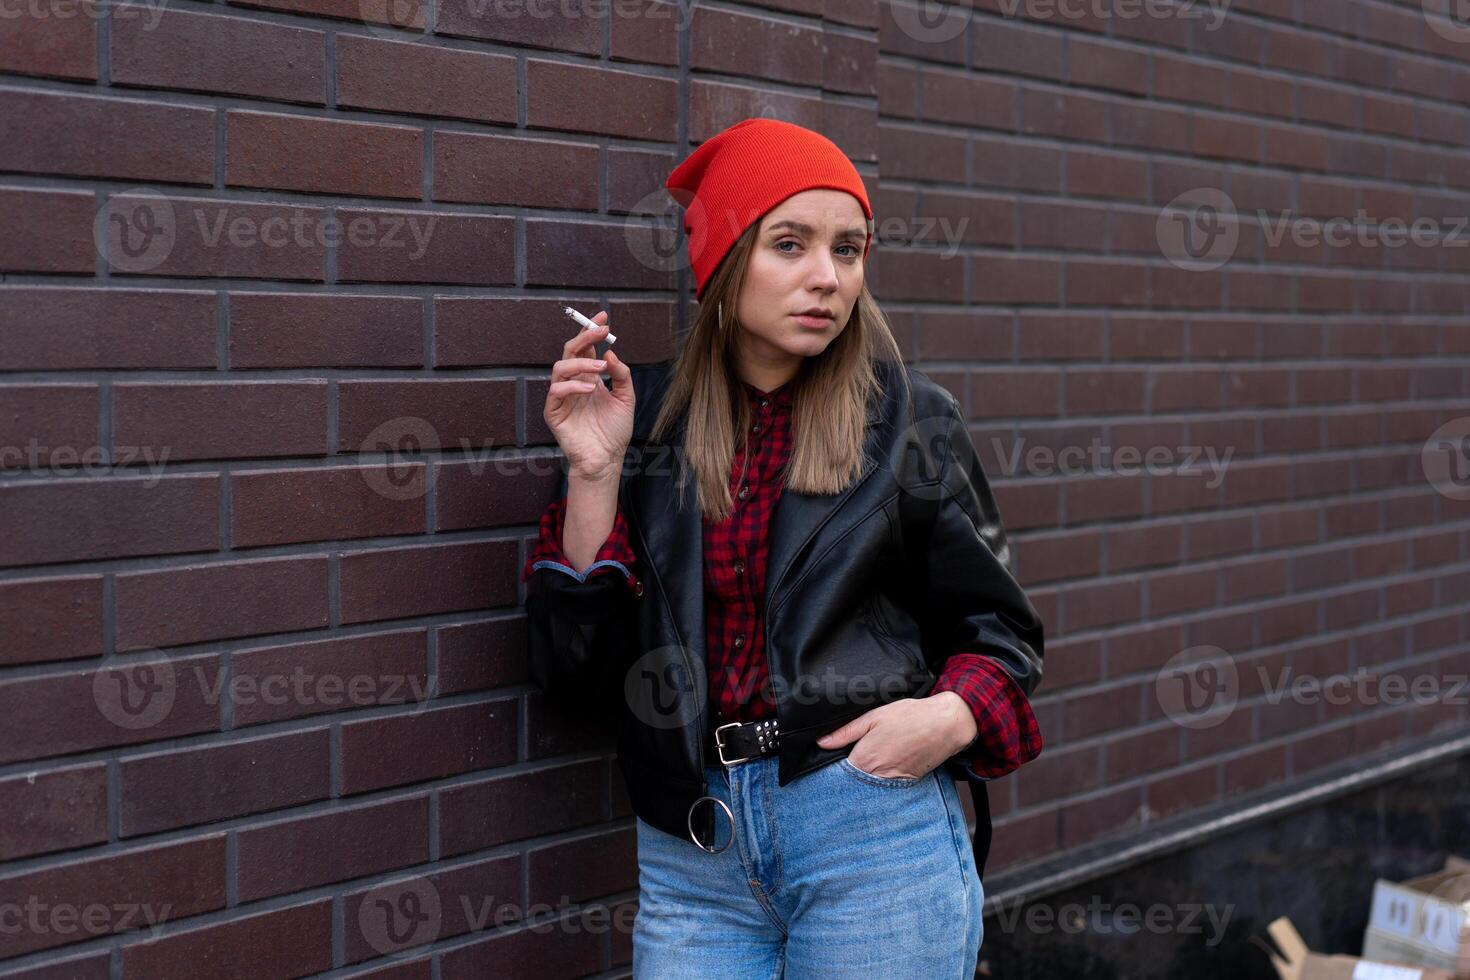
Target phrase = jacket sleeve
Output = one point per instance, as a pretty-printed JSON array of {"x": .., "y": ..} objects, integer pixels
[
  {"x": 961, "y": 591},
  {"x": 579, "y": 622}
]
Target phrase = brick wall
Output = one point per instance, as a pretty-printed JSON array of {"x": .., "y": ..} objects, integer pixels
[{"x": 280, "y": 288}]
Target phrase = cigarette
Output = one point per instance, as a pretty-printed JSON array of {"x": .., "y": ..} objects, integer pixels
[{"x": 587, "y": 324}]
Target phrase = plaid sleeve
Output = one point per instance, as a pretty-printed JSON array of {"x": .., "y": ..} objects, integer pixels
[
  {"x": 616, "y": 552},
  {"x": 1007, "y": 733}
]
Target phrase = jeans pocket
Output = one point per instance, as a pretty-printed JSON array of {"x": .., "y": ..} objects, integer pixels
[{"x": 897, "y": 782}]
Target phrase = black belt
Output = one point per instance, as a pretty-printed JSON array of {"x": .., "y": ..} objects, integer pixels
[{"x": 734, "y": 742}]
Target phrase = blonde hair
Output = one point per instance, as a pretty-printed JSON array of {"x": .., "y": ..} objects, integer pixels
[{"x": 830, "y": 394}]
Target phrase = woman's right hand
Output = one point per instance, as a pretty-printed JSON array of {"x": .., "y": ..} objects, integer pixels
[{"x": 592, "y": 423}]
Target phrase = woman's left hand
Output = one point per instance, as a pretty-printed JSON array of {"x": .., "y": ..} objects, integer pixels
[{"x": 907, "y": 738}]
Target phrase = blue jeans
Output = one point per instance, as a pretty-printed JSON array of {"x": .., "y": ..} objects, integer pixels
[{"x": 839, "y": 875}]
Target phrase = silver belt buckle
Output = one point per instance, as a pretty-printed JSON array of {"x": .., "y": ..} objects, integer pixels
[{"x": 720, "y": 746}]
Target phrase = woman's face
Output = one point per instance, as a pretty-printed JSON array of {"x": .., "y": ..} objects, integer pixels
[{"x": 808, "y": 255}]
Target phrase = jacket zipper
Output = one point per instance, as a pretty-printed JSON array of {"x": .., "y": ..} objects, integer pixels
[{"x": 673, "y": 621}]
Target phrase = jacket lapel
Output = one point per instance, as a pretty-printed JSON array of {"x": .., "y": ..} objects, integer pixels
[
  {"x": 674, "y": 534},
  {"x": 799, "y": 516}
]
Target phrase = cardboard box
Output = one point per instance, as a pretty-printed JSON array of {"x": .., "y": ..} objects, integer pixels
[
  {"x": 1423, "y": 921},
  {"x": 1296, "y": 962}
]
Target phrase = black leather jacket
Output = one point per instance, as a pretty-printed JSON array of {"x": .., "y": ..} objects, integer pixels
[{"x": 868, "y": 591}]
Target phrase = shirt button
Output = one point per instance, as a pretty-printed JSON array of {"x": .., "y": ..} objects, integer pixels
[
  {"x": 745, "y": 492},
  {"x": 756, "y": 427},
  {"x": 739, "y": 640},
  {"x": 739, "y": 567},
  {"x": 764, "y": 403}
]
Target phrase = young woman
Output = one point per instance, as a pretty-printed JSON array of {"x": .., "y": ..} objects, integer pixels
[{"x": 778, "y": 568}]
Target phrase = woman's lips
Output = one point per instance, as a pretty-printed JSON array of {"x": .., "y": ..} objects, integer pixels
[{"x": 813, "y": 321}]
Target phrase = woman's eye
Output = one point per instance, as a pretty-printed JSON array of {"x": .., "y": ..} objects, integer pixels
[{"x": 789, "y": 241}]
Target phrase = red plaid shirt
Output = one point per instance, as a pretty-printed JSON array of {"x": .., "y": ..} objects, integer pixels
[{"x": 735, "y": 564}]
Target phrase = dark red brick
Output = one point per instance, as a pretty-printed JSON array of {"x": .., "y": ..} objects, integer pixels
[
  {"x": 58, "y": 810},
  {"x": 140, "y": 701},
  {"x": 402, "y": 749},
  {"x": 484, "y": 813},
  {"x": 46, "y": 231},
  {"x": 572, "y": 26},
  {"x": 344, "y": 843},
  {"x": 474, "y": 897},
  {"x": 405, "y": 15},
  {"x": 125, "y": 891},
  {"x": 329, "y": 156},
  {"x": 43, "y": 522},
  {"x": 424, "y": 246},
  {"x": 479, "y": 656},
  {"x": 173, "y": 49},
  {"x": 393, "y": 76},
  {"x": 202, "y": 419},
  {"x": 48, "y": 426},
  {"x": 283, "y": 506},
  {"x": 289, "y": 942},
  {"x": 150, "y": 234},
  {"x": 341, "y": 674},
  {"x": 420, "y": 581},
  {"x": 55, "y": 329},
  {"x": 324, "y": 330},
  {"x": 494, "y": 493},
  {"x": 597, "y": 100},
  {"x": 196, "y": 603},
  {"x": 470, "y": 414},
  {"x": 487, "y": 169},
  {"x": 48, "y": 619},
  {"x": 565, "y": 253},
  {"x": 87, "y": 136},
  {"x": 37, "y": 42},
  {"x": 178, "y": 788}
]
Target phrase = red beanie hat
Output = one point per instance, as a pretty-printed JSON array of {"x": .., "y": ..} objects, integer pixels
[{"x": 732, "y": 179}]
